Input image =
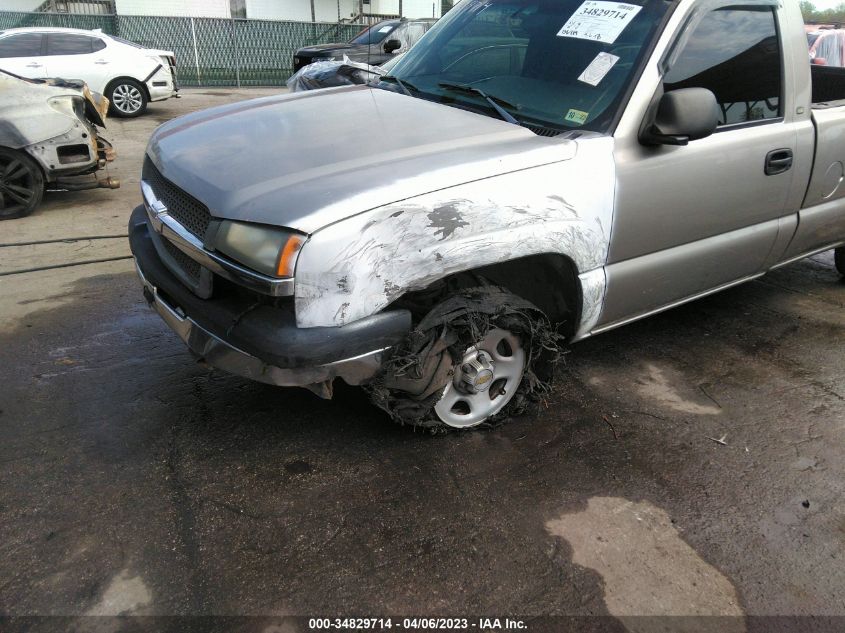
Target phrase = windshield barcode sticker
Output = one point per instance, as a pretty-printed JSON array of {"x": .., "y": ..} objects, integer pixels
[
  {"x": 576, "y": 116},
  {"x": 599, "y": 21},
  {"x": 598, "y": 68}
]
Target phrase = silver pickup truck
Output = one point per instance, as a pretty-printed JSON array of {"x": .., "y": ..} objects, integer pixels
[{"x": 531, "y": 173}]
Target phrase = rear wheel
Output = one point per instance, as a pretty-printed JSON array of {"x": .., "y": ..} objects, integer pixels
[
  {"x": 839, "y": 259},
  {"x": 476, "y": 358},
  {"x": 21, "y": 184},
  {"x": 127, "y": 97}
]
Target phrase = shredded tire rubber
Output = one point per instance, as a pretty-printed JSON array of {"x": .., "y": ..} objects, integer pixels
[{"x": 412, "y": 380}]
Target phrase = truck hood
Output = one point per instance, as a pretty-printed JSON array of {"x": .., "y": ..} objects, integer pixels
[{"x": 311, "y": 159}]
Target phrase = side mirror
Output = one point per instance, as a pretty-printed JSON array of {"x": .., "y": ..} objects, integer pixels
[
  {"x": 392, "y": 45},
  {"x": 683, "y": 115}
]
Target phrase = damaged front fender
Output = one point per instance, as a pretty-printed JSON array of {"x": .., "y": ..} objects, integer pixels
[{"x": 357, "y": 267}]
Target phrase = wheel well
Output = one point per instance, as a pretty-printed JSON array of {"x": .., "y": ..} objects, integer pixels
[
  {"x": 549, "y": 281},
  {"x": 111, "y": 84}
]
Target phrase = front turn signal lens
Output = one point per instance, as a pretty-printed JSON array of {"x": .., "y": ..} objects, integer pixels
[
  {"x": 287, "y": 258},
  {"x": 269, "y": 250}
]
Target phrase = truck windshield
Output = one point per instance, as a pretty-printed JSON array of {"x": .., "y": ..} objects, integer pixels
[
  {"x": 375, "y": 34},
  {"x": 553, "y": 64}
]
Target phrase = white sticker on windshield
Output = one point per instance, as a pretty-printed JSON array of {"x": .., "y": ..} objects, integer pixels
[
  {"x": 385, "y": 29},
  {"x": 598, "y": 68},
  {"x": 599, "y": 21}
]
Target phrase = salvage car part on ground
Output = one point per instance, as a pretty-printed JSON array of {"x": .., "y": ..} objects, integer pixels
[
  {"x": 597, "y": 169},
  {"x": 49, "y": 138}
]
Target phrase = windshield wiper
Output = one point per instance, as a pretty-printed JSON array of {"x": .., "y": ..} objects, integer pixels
[
  {"x": 402, "y": 84},
  {"x": 495, "y": 102}
]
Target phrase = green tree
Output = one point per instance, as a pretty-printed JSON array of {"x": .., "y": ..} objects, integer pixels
[
  {"x": 808, "y": 10},
  {"x": 829, "y": 16}
]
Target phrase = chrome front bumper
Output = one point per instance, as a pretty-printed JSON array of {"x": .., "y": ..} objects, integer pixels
[{"x": 219, "y": 354}]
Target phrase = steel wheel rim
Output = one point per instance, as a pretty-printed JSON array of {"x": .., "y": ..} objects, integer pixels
[
  {"x": 17, "y": 185},
  {"x": 127, "y": 98},
  {"x": 459, "y": 409}
]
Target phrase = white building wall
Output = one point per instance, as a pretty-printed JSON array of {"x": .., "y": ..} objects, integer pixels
[
  {"x": 300, "y": 10},
  {"x": 410, "y": 8},
  {"x": 382, "y": 7},
  {"x": 195, "y": 8},
  {"x": 421, "y": 8},
  {"x": 327, "y": 10},
  {"x": 19, "y": 5}
]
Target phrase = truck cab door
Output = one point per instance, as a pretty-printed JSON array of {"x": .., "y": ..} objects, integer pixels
[
  {"x": 22, "y": 54},
  {"x": 691, "y": 219}
]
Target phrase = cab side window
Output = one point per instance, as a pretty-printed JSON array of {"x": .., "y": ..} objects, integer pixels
[
  {"x": 21, "y": 45},
  {"x": 70, "y": 44},
  {"x": 735, "y": 53}
]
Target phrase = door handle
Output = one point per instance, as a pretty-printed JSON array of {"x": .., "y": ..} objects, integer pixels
[
  {"x": 778, "y": 161},
  {"x": 34, "y": 65},
  {"x": 101, "y": 61}
]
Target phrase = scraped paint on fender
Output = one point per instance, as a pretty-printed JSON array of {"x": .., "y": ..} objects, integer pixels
[{"x": 358, "y": 266}]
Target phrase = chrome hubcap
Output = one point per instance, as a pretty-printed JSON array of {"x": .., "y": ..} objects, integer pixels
[
  {"x": 484, "y": 381},
  {"x": 476, "y": 372},
  {"x": 127, "y": 98}
]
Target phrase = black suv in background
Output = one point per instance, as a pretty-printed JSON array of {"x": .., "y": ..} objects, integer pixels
[{"x": 374, "y": 45}]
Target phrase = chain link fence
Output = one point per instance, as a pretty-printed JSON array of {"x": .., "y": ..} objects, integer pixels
[{"x": 209, "y": 51}]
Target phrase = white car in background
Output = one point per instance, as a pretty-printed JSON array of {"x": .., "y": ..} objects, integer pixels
[{"x": 129, "y": 75}]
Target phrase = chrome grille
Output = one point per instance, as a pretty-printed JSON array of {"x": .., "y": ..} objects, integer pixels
[
  {"x": 188, "y": 265},
  {"x": 186, "y": 210}
]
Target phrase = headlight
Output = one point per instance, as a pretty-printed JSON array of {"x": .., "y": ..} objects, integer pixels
[{"x": 265, "y": 249}]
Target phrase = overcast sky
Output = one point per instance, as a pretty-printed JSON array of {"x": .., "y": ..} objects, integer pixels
[{"x": 821, "y": 5}]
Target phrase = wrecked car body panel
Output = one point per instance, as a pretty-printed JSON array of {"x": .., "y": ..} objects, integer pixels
[
  {"x": 355, "y": 268},
  {"x": 54, "y": 121}
]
